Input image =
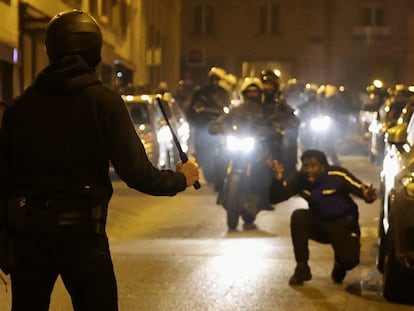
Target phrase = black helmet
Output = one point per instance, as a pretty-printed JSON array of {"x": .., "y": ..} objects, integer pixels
[
  {"x": 74, "y": 32},
  {"x": 269, "y": 76}
]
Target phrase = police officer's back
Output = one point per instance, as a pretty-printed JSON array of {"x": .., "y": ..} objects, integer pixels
[{"x": 56, "y": 143}]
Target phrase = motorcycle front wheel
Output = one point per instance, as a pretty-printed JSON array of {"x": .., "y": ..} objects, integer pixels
[{"x": 232, "y": 201}]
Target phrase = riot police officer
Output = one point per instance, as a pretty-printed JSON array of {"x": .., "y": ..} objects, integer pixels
[
  {"x": 207, "y": 104},
  {"x": 278, "y": 111},
  {"x": 56, "y": 143}
]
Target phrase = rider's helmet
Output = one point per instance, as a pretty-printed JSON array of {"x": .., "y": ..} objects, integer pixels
[
  {"x": 231, "y": 79},
  {"x": 311, "y": 91},
  {"x": 269, "y": 78},
  {"x": 251, "y": 89},
  {"x": 73, "y": 32},
  {"x": 217, "y": 73},
  {"x": 229, "y": 82},
  {"x": 326, "y": 91}
]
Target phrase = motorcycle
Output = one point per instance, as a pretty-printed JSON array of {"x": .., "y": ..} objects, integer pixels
[{"x": 247, "y": 173}]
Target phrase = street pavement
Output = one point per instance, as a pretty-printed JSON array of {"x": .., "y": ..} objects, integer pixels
[{"x": 176, "y": 254}]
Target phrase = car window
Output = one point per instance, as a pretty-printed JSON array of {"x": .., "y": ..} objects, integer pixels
[
  {"x": 395, "y": 110},
  {"x": 410, "y": 132},
  {"x": 139, "y": 113}
]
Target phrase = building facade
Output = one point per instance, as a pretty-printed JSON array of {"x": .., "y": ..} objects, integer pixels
[
  {"x": 343, "y": 42},
  {"x": 139, "y": 49}
]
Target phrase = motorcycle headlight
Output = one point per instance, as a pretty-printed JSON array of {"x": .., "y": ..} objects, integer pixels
[
  {"x": 408, "y": 183},
  {"x": 245, "y": 144},
  {"x": 321, "y": 123}
]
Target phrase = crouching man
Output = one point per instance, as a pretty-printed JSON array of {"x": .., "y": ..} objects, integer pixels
[{"x": 332, "y": 216}]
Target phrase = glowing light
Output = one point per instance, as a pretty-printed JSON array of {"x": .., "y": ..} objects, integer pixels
[
  {"x": 164, "y": 135},
  {"x": 15, "y": 55},
  {"x": 277, "y": 72},
  {"x": 408, "y": 183},
  {"x": 321, "y": 124},
  {"x": 378, "y": 83},
  {"x": 245, "y": 144}
]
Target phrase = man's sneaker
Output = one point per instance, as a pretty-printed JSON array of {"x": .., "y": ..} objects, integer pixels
[
  {"x": 338, "y": 273},
  {"x": 302, "y": 273}
]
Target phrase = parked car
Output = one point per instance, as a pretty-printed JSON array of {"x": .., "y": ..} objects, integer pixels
[
  {"x": 395, "y": 257},
  {"x": 400, "y": 129},
  {"x": 385, "y": 118},
  {"x": 153, "y": 130},
  {"x": 145, "y": 117}
]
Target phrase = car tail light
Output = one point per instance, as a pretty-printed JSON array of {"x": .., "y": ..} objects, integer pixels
[{"x": 147, "y": 137}]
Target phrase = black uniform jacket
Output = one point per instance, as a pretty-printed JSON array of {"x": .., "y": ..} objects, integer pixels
[
  {"x": 63, "y": 132},
  {"x": 329, "y": 197}
]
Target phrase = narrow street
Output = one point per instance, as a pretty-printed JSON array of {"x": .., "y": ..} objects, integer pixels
[{"x": 177, "y": 254}]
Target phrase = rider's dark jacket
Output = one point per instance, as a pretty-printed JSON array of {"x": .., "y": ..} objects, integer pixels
[
  {"x": 249, "y": 114},
  {"x": 329, "y": 197},
  {"x": 278, "y": 110},
  {"x": 207, "y": 103},
  {"x": 62, "y": 133}
]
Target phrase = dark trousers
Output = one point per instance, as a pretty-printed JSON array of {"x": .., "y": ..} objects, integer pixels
[
  {"x": 342, "y": 233},
  {"x": 74, "y": 252}
]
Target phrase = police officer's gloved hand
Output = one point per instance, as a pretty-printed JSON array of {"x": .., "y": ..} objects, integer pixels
[{"x": 190, "y": 171}]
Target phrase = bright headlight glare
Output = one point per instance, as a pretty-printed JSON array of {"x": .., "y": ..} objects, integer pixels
[
  {"x": 164, "y": 134},
  {"x": 184, "y": 131},
  {"x": 245, "y": 144},
  {"x": 321, "y": 123},
  {"x": 408, "y": 183}
]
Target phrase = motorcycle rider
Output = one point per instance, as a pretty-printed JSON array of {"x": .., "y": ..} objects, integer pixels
[
  {"x": 277, "y": 110},
  {"x": 331, "y": 104},
  {"x": 249, "y": 112},
  {"x": 230, "y": 84},
  {"x": 311, "y": 103},
  {"x": 207, "y": 104},
  {"x": 320, "y": 101}
]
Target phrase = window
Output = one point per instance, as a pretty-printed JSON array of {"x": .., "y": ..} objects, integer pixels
[
  {"x": 101, "y": 8},
  {"x": 269, "y": 19},
  {"x": 93, "y": 6},
  {"x": 373, "y": 16},
  {"x": 123, "y": 11},
  {"x": 203, "y": 19},
  {"x": 74, "y": 3}
]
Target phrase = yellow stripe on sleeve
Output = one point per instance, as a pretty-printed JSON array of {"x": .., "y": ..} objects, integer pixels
[{"x": 346, "y": 177}]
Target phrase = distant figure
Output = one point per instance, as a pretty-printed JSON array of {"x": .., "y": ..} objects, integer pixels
[{"x": 207, "y": 104}]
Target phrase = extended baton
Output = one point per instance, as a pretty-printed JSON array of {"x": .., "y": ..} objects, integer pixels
[{"x": 183, "y": 155}]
